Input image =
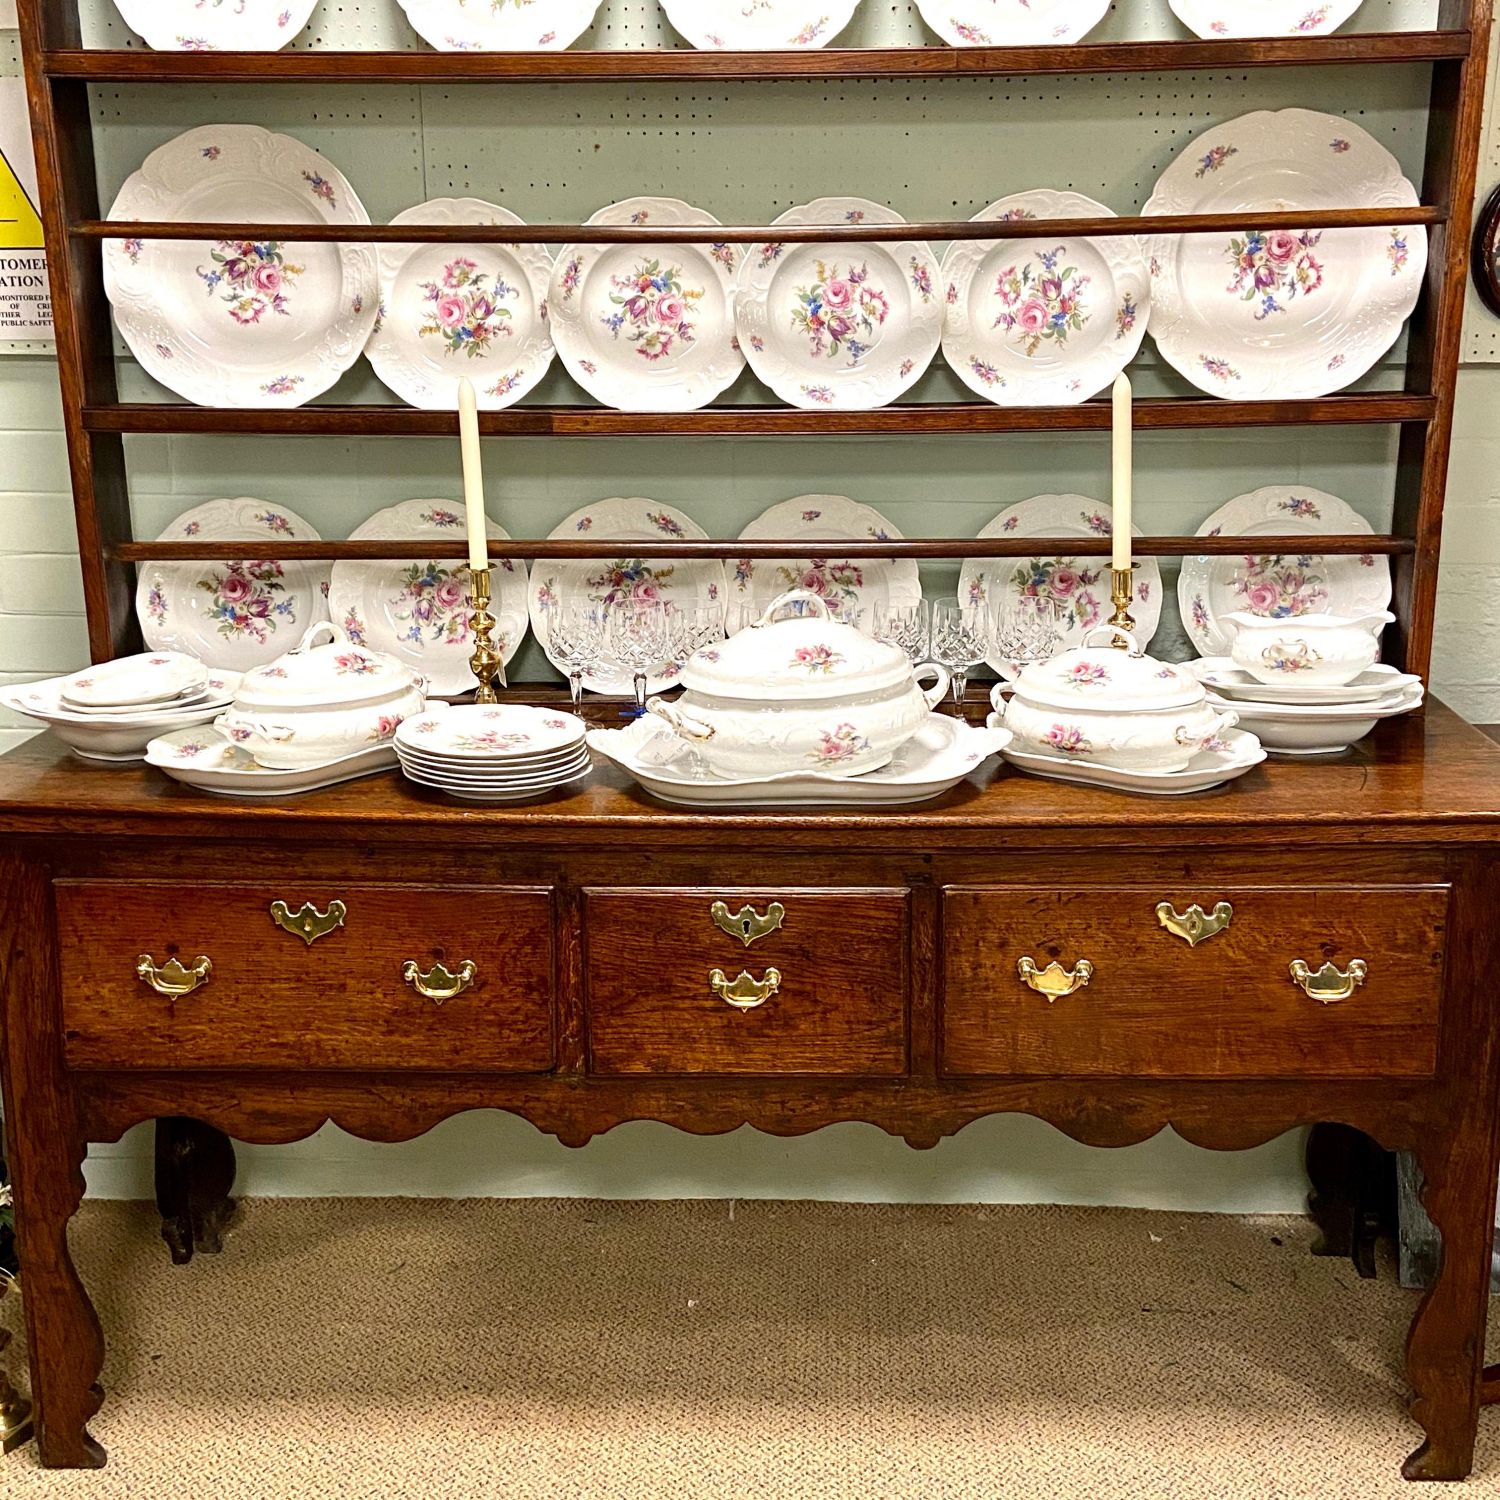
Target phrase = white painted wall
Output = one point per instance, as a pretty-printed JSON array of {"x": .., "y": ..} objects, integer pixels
[{"x": 943, "y": 486}]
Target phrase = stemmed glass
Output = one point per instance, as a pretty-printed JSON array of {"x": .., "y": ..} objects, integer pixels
[
  {"x": 575, "y": 632},
  {"x": 692, "y": 630},
  {"x": 639, "y": 637},
  {"x": 962, "y": 637},
  {"x": 1028, "y": 628},
  {"x": 905, "y": 626}
]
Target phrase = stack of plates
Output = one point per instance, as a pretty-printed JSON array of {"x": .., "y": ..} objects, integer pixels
[
  {"x": 493, "y": 753},
  {"x": 1296, "y": 718},
  {"x": 111, "y": 711}
]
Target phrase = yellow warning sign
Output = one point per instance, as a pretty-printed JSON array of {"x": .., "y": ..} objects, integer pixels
[
  {"x": 20, "y": 223},
  {"x": 25, "y": 288}
]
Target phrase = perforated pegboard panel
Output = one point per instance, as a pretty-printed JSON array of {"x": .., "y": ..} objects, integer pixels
[{"x": 1481, "y": 326}]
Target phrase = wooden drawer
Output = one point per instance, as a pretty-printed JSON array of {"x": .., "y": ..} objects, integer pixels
[
  {"x": 273, "y": 1000},
  {"x": 840, "y": 1006},
  {"x": 1226, "y": 1007}
]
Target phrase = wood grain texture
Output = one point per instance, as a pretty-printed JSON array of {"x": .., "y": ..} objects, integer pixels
[
  {"x": 45, "y": 1150},
  {"x": 121, "y": 66},
  {"x": 273, "y": 1001},
  {"x": 841, "y": 1006},
  {"x": 947, "y": 418},
  {"x": 1227, "y": 1008}
]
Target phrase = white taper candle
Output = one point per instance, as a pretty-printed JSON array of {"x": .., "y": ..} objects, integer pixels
[
  {"x": 1122, "y": 472},
  {"x": 468, "y": 437}
]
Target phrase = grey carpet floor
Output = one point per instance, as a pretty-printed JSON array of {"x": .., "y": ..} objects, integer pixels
[{"x": 540, "y": 1350}]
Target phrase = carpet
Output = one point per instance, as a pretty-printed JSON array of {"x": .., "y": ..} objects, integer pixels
[{"x": 585, "y": 1350}]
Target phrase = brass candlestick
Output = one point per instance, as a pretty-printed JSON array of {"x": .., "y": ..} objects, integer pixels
[
  {"x": 486, "y": 663},
  {"x": 1122, "y": 591}
]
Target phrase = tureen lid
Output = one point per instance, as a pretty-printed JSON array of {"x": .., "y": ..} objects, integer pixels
[
  {"x": 313, "y": 674},
  {"x": 1107, "y": 678},
  {"x": 806, "y": 655}
]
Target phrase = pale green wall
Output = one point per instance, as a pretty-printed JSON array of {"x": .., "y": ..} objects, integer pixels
[{"x": 747, "y": 152}]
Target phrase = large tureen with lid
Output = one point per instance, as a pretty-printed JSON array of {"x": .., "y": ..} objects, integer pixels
[
  {"x": 321, "y": 701},
  {"x": 805, "y": 692},
  {"x": 1114, "y": 708}
]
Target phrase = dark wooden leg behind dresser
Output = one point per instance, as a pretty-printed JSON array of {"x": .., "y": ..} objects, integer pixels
[
  {"x": 46, "y": 1161},
  {"x": 194, "y": 1178}
]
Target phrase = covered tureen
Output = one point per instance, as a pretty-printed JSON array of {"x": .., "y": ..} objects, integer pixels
[
  {"x": 320, "y": 702},
  {"x": 800, "y": 690},
  {"x": 1116, "y": 708}
]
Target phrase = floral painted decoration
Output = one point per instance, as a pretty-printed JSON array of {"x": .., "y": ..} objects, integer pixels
[
  {"x": 653, "y": 307},
  {"x": 254, "y": 276},
  {"x": 1277, "y": 587},
  {"x": 835, "y": 746},
  {"x": 464, "y": 310},
  {"x": 1041, "y": 301},
  {"x": 1274, "y": 266},
  {"x": 835, "y": 309}
]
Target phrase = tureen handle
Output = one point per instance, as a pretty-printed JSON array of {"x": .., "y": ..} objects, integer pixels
[
  {"x": 1210, "y": 738},
  {"x": 1114, "y": 631},
  {"x": 935, "y": 694},
  {"x": 808, "y": 603},
  {"x": 683, "y": 725},
  {"x": 310, "y": 635}
]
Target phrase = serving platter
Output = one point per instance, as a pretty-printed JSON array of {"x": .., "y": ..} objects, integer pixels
[
  {"x": 839, "y": 327},
  {"x": 206, "y": 758},
  {"x": 645, "y": 327},
  {"x": 849, "y": 585},
  {"x": 461, "y": 310},
  {"x": 1274, "y": 586},
  {"x": 628, "y": 573},
  {"x": 1309, "y": 729},
  {"x": 939, "y": 756},
  {"x": 500, "y": 25},
  {"x": 1222, "y": 676},
  {"x": 266, "y": 323},
  {"x": 419, "y": 611},
  {"x": 1280, "y": 313},
  {"x": 759, "y": 25},
  {"x": 1206, "y": 770},
  {"x": 1224, "y": 18},
  {"x": 238, "y": 614},
  {"x": 1013, "y": 23},
  {"x": 1043, "y": 322},
  {"x": 1078, "y": 586},
  {"x": 193, "y": 26}
]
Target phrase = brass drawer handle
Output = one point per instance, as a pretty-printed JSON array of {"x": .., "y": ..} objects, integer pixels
[
  {"x": 1194, "y": 925},
  {"x": 309, "y": 923},
  {"x": 439, "y": 984},
  {"x": 173, "y": 977},
  {"x": 746, "y": 924},
  {"x": 1329, "y": 983},
  {"x": 745, "y": 992},
  {"x": 1055, "y": 981}
]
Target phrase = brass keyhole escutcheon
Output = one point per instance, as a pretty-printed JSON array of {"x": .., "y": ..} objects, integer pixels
[
  {"x": 309, "y": 923},
  {"x": 747, "y": 924},
  {"x": 1194, "y": 925}
]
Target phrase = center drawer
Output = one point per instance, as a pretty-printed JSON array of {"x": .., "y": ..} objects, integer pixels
[
  {"x": 412, "y": 977},
  {"x": 820, "y": 987},
  {"x": 1131, "y": 996}
]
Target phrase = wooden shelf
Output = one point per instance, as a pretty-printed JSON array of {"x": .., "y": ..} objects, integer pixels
[
  {"x": 563, "y": 548},
  {"x": 953, "y": 418},
  {"x": 758, "y": 234},
  {"x": 122, "y": 66}
]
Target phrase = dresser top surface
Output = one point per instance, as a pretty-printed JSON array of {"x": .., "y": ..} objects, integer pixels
[{"x": 1427, "y": 775}]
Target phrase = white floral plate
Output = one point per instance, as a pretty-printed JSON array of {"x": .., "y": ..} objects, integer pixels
[
  {"x": 490, "y": 734},
  {"x": 842, "y": 327},
  {"x": 500, "y": 25},
  {"x": 1309, "y": 730},
  {"x": 109, "y": 737},
  {"x": 1013, "y": 23},
  {"x": 1206, "y": 769},
  {"x": 939, "y": 756},
  {"x": 1274, "y": 586},
  {"x": 1277, "y": 314},
  {"x": 1043, "y": 322},
  {"x": 627, "y": 573},
  {"x": 239, "y": 614},
  {"x": 206, "y": 758},
  {"x": 262, "y": 323},
  {"x": 192, "y": 26},
  {"x": 452, "y": 310},
  {"x": 1217, "y": 18},
  {"x": 1220, "y": 675},
  {"x": 419, "y": 611},
  {"x": 759, "y": 25},
  {"x": 647, "y": 327},
  {"x": 1079, "y": 584},
  {"x": 848, "y": 584}
]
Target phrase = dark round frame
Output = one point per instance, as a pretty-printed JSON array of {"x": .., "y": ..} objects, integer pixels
[{"x": 1485, "y": 259}]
